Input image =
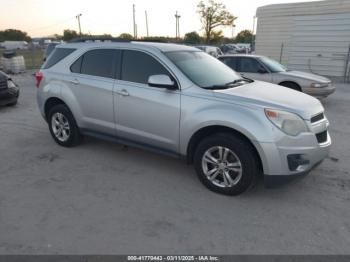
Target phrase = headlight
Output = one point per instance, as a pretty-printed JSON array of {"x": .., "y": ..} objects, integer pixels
[
  {"x": 10, "y": 84},
  {"x": 319, "y": 85},
  {"x": 289, "y": 123}
]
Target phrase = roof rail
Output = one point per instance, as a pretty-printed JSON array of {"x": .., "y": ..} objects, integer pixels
[
  {"x": 97, "y": 39},
  {"x": 150, "y": 40}
]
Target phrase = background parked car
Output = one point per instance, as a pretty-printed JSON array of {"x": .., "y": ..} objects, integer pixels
[
  {"x": 235, "y": 48},
  {"x": 50, "y": 47},
  {"x": 211, "y": 50},
  {"x": 9, "y": 91},
  {"x": 244, "y": 47},
  {"x": 268, "y": 70}
]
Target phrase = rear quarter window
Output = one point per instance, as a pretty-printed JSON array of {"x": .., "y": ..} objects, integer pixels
[{"x": 57, "y": 55}]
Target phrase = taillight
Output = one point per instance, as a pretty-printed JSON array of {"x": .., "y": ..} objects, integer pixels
[{"x": 38, "y": 77}]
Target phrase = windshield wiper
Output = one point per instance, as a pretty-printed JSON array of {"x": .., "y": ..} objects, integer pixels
[{"x": 227, "y": 85}]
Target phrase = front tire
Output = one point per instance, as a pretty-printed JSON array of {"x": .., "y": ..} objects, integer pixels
[
  {"x": 226, "y": 164},
  {"x": 63, "y": 127}
]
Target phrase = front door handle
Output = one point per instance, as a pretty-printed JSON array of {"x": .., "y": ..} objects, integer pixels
[
  {"x": 74, "y": 82},
  {"x": 123, "y": 92}
]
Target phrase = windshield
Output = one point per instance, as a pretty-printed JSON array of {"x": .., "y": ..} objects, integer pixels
[
  {"x": 273, "y": 65},
  {"x": 203, "y": 69}
]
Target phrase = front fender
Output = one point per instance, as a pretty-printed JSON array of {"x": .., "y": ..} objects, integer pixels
[{"x": 250, "y": 121}]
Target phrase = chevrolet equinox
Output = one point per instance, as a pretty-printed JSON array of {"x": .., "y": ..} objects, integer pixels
[{"x": 181, "y": 101}]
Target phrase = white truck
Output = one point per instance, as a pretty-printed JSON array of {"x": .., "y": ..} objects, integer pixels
[{"x": 12, "y": 45}]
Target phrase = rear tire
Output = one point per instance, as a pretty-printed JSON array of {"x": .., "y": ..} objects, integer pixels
[
  {"x": 234, "y": 171},
  {"x": 63, "y": 127},
  {"x": 291, "y": 85}
]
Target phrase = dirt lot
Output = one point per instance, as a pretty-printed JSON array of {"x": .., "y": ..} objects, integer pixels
[{"x": 100, "y": 198}]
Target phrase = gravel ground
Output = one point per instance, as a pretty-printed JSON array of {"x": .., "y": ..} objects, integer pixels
[{"x": 102, "y": 198}]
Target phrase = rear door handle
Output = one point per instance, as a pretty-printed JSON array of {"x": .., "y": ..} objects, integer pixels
[
  {"x": 123, "y": 92},
  {"x": 74, "y": 82}
]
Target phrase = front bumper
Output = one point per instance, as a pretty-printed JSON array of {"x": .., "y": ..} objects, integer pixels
[
  {"x": 320, "y": 92},
  {"x": 8, "y": 95},
  {"x": 292, "y": 157}
]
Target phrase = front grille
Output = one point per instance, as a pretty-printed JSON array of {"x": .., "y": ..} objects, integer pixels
[
  {"x": 317, "y": 118},
  {"x": 3, "y": 84},
  {"x": 322, "y": 137}
]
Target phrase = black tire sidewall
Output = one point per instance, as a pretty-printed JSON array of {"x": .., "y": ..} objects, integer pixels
[
  {"x": 242, "y": 149},
  {"x": 74, "y": 137},
  {"x": 13, "y": 103},
  {"x": 292, "y": 86}
]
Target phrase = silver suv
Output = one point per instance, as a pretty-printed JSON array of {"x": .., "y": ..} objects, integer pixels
[{"x": 181, "y": 101}]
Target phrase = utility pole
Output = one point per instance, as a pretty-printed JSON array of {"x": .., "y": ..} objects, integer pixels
[
  {"x": 253, "y": 38},
  {"x": 78, "y": 17},
  {"x": 146, "y": 23},
  {"x": 233, "y": 30},
  {"x": 134, "y": 23},
  {"x": 177, "y": 17}
]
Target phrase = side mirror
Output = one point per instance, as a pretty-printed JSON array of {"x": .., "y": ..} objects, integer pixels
[
  {"x": 162, "y": 81},
  {"x": 262, "y": 70}
]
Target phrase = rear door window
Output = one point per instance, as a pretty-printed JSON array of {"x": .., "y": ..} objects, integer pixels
[
  {"x": 249, "y": 65},
  {"x": 138, "y": 67},
  {"x": 231, "y": 62},
  {"x": 57, "y": 55},
  {"x": 99, "y": 62}
]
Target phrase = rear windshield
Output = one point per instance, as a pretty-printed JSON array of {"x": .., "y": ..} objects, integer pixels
[{"x": 57, "y": 55}]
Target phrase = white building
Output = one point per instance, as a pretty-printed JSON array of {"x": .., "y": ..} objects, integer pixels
[{"x": 309, "y": 36}]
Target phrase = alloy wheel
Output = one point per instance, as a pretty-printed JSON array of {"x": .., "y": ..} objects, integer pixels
[
  {"x": 222, "y": 167},
  {"x": 60, "y": 127}
]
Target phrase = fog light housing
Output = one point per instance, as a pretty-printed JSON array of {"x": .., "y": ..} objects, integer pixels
[{"x": 297, "y": 162}]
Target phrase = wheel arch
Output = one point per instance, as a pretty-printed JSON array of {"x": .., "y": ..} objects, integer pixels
[
  {"x": 52, "y": 101},
  {"x": 291, "y": 82},
  {"x": 200, "y": 134}
]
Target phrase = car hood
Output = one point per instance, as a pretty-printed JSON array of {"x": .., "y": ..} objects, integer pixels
[
  {"x": 272, "y": 96},
  {"x": 306, "y": 76}
]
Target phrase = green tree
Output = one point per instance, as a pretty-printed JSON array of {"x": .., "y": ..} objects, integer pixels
[
  {"x": 193, "y": 38},
  {"x": 69, "y": 34},
  {"x": 244, "y": 36},
  {"x": 14, "y": 35},
  {"x": 57, "y": 37},
  {"x": 213, "y": 15},
  {"x": 217, "y": 37},
  {"x": 126, "y": 36}
]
